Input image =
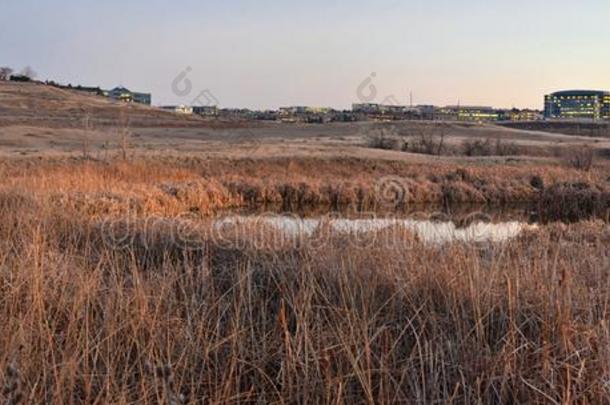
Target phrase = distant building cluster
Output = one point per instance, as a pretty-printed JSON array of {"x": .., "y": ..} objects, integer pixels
[
  {"x": 296, "y": 114},
  {"x": 562, "y": 105},
  {"x": 392, "y": 112},
  {"x": 447, "y": 113},
  {"x": 363, "y": 112},
  {"x": 569, "y": 105}
]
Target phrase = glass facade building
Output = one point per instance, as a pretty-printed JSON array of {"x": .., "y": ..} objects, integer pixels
[{"x": 577, "y": 104}]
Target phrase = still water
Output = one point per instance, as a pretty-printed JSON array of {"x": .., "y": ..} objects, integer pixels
[{"x": 428, "y": 231}]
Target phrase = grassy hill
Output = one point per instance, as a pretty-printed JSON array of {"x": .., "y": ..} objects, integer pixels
[{"x": 40, "y": 105}]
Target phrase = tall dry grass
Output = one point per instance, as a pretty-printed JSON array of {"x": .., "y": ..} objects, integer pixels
[
  {"x": 88, "y": 322},
  {"x": 167, "y": 186}
]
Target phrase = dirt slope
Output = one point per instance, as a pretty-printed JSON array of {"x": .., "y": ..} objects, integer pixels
[{"x": 39, "y": 105}]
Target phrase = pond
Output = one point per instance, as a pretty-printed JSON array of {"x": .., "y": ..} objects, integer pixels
[{"x": 480, "y": 228}]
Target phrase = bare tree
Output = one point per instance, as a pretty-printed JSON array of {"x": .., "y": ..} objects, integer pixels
[
  {"x": 28, "y": 72},
  {"x": 5, "y": 72},
  {"x": 426, "y": 139}
]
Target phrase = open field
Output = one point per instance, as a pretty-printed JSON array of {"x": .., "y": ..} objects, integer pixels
[
  {"x": 117, "y": 288},
  {"x": 275, "y": 139},
  {"x": 38, "y": 120}
]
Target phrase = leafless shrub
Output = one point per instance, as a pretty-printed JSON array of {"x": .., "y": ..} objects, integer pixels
[
  {"x": 427, "y": 139},
  {"x": 383, "y": 137},
  {"x": 487, "y": 147},
  {"x": 580, "y": 157},
  {"x": 572, "y": 202},
  {"x": 477, "y": 147},
  {"x": 503, "y": 148}
]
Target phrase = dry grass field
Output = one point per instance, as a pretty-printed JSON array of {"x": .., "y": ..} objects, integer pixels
[
  {"x": 38, "y": 120},
  {"x": 116, "y": 287},
  {"x": 89, "y": 322}
]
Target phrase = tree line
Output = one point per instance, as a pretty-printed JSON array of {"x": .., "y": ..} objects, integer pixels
[{"x": 26, "y": 74}]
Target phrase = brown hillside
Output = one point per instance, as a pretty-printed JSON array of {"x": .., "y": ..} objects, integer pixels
[{"x": 37, "y": 104}]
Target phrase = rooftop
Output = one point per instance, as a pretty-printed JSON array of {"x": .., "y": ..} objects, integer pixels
[{"x": 580, "y": 93}]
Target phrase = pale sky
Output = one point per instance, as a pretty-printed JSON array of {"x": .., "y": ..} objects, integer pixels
[{"x": 272, "y": 53}]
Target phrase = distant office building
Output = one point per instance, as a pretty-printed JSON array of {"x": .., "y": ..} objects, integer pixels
[
  {"x": 577, "y": 104},
  {"x": 127, "y": 96},
  {"x": 469, "y": 113}
]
